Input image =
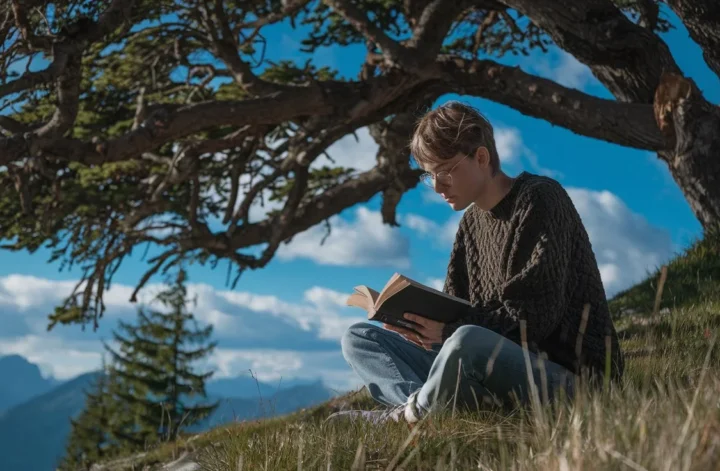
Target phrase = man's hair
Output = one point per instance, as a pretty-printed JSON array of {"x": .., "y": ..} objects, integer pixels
[{"x": 452, "y": 128}]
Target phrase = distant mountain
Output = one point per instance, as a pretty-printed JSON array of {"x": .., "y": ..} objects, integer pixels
[
  {"x": 248, "y": 387},
  {"x": 21, "y": 380},
  {"x": 277, "y": 403},
  {"x": 33, "y": 434}
]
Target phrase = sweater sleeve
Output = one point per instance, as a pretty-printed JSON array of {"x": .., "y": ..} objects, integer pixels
[
  {"x": 456, "y": 279},
  {"x": 537, "y": 271}
]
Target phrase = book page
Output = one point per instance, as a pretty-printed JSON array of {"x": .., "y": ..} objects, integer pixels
[
  {"x": 393, "y": 285},
  {"x": 364, "y": 297}
]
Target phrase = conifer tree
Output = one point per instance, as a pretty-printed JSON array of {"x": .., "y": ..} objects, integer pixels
[
  {"x": 154, "y": 365},
  {"x": 91, "y": 439}
]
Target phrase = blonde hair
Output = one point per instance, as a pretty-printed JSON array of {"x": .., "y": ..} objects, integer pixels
[{"x": 452, "y": 128}]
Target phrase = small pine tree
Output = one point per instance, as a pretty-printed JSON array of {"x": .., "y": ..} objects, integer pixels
[
  {"x": 91, "y": 439},
  {"x": 159, "y": 386}
]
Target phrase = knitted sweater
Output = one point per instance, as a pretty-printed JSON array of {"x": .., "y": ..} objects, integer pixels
[{"x": 530, "y": 258}]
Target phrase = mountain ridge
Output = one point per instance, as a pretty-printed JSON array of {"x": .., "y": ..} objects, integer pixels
[{"x": 33, "y": 433}]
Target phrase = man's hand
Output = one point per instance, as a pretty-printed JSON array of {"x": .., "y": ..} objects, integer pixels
[{"x": 428, "y": 332}]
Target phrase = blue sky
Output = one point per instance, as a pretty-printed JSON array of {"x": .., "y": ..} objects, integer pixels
[{"x": 286, "y": 319}]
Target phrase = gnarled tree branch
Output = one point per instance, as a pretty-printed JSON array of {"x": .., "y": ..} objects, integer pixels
[{"x": 627, "y": 58}]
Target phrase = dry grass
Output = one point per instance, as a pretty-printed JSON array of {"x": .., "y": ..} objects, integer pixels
[{"x": 665, "y": 415}]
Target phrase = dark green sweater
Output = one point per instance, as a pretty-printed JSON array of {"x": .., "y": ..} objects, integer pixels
[{"x": 530, "y": 258}]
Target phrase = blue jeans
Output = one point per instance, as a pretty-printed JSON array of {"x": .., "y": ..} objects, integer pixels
[{"x": 481, "y": 365}]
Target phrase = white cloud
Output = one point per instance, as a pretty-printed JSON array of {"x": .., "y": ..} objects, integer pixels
[
  {"x": 349, "y": 152},
  {"x": 244, "y": 322},
  {"x": 324, "y": 297},
  {"x": 62, "y": 359},
  {"x": 443, "y": 234},
  {"x": 437, "y": 283},
  {"x": 363, "y": 242},
  {"x": 271, "y": 365},
  {"x": 514, "y": 152},
  {"x": 23, "y": 291},
  {"x": 626, "y": 246},
  {"x": 564, "y": 69},
  {"x": 571, "y": 72},
  {"x": 420, "y": 223},
  {"x": 55, "y": 357},
  {"x": 509, "y": 144}
]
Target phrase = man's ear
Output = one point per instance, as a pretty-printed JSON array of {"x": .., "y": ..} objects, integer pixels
[{"x": 482, "y": 156}]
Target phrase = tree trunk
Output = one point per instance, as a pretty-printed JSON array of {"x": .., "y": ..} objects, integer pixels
[{"x": 692, "y": 124}]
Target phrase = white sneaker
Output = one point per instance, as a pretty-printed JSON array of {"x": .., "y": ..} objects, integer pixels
[{"x": 410, "y": 412}]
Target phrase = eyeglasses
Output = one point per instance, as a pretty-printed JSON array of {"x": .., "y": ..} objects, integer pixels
[{"x": 444, "y": 178}]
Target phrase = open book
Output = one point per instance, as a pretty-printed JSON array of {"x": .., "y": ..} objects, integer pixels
[{"x": 401, "y": 295}]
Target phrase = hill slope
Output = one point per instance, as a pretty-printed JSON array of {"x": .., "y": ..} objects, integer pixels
[
  {"x": 33, "y": 434},
  {"x": 664, "y": 415}
]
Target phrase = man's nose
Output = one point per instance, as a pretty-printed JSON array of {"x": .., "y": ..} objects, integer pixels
[{"x": 438, "y": 187}]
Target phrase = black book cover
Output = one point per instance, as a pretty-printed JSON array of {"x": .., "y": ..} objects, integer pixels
[{"x": 422, "y": 302}]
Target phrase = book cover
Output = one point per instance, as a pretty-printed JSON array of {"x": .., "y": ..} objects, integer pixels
[{"x": 401, "y": 295}]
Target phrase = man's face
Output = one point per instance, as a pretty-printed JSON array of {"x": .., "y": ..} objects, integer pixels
[{"x": 458, "y": 180}]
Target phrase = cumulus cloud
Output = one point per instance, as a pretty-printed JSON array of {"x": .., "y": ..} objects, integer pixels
[
  {"x": 437, "y": 283},
  {"x": 271, "y": 365},
  {"x": 509, "y": 144},
  {"x": 513, "y": 151},
  {"x": 443, "y": 234},
  {"x": 366, "y": 241},
  {"x": 325, "y": 297},
  {"x": 56, "y": 357},
  {"x": 309, "y": 330},
  {"x": 626, "y": 245},
  {"x": 564, "y": 69},
  {"x": 350, "y": 152}
]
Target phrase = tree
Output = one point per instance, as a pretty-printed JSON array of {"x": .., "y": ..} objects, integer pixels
[
  {"x": 161, "y": 123},
  {"x": 91, "y": 439},
  {"x": 154, "y": 366}
]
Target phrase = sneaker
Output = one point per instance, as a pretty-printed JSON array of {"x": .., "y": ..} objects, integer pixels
[{"x": 408, "y": 412}]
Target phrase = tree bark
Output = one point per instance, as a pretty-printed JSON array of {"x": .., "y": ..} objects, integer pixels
[
  {"x": 635, "y": 65},
  {"x": 627, "y": 58},
  {"x": 693, "y": 126}
]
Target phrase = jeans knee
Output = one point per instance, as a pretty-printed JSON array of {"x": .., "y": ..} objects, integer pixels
[
  {"x": 463, "y": 338},
  {"x": 353, "y": 337},
  {"x": 473, "y": 341}
]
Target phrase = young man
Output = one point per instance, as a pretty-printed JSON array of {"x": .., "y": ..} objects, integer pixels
[{"x": 523, "y": 258}]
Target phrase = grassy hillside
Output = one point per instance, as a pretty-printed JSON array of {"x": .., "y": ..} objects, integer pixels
[{"x": 664, "y": 416}]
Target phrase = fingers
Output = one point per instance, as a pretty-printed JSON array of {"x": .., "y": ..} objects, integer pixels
[
  {"x": 410, "y": 335},
  {"x": 417, "y": 319},
  {"x": 399, "y": 330}
]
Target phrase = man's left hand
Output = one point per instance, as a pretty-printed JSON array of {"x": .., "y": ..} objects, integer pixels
[{"x": 429, "y": 332}]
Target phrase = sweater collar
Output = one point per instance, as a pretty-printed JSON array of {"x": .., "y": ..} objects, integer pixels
[{"x": 504, "y": 208}]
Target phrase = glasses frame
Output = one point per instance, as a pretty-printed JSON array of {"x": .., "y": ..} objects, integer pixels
[{"x": 429, "y": 177}]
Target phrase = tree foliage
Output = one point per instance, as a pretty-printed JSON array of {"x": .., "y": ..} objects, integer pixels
[
  {"x": 162, "y": 125},
  {"x": 155, "y": 364},
  {"x": 91, "y": 440},
  {"x": 151, "y": 390}
]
